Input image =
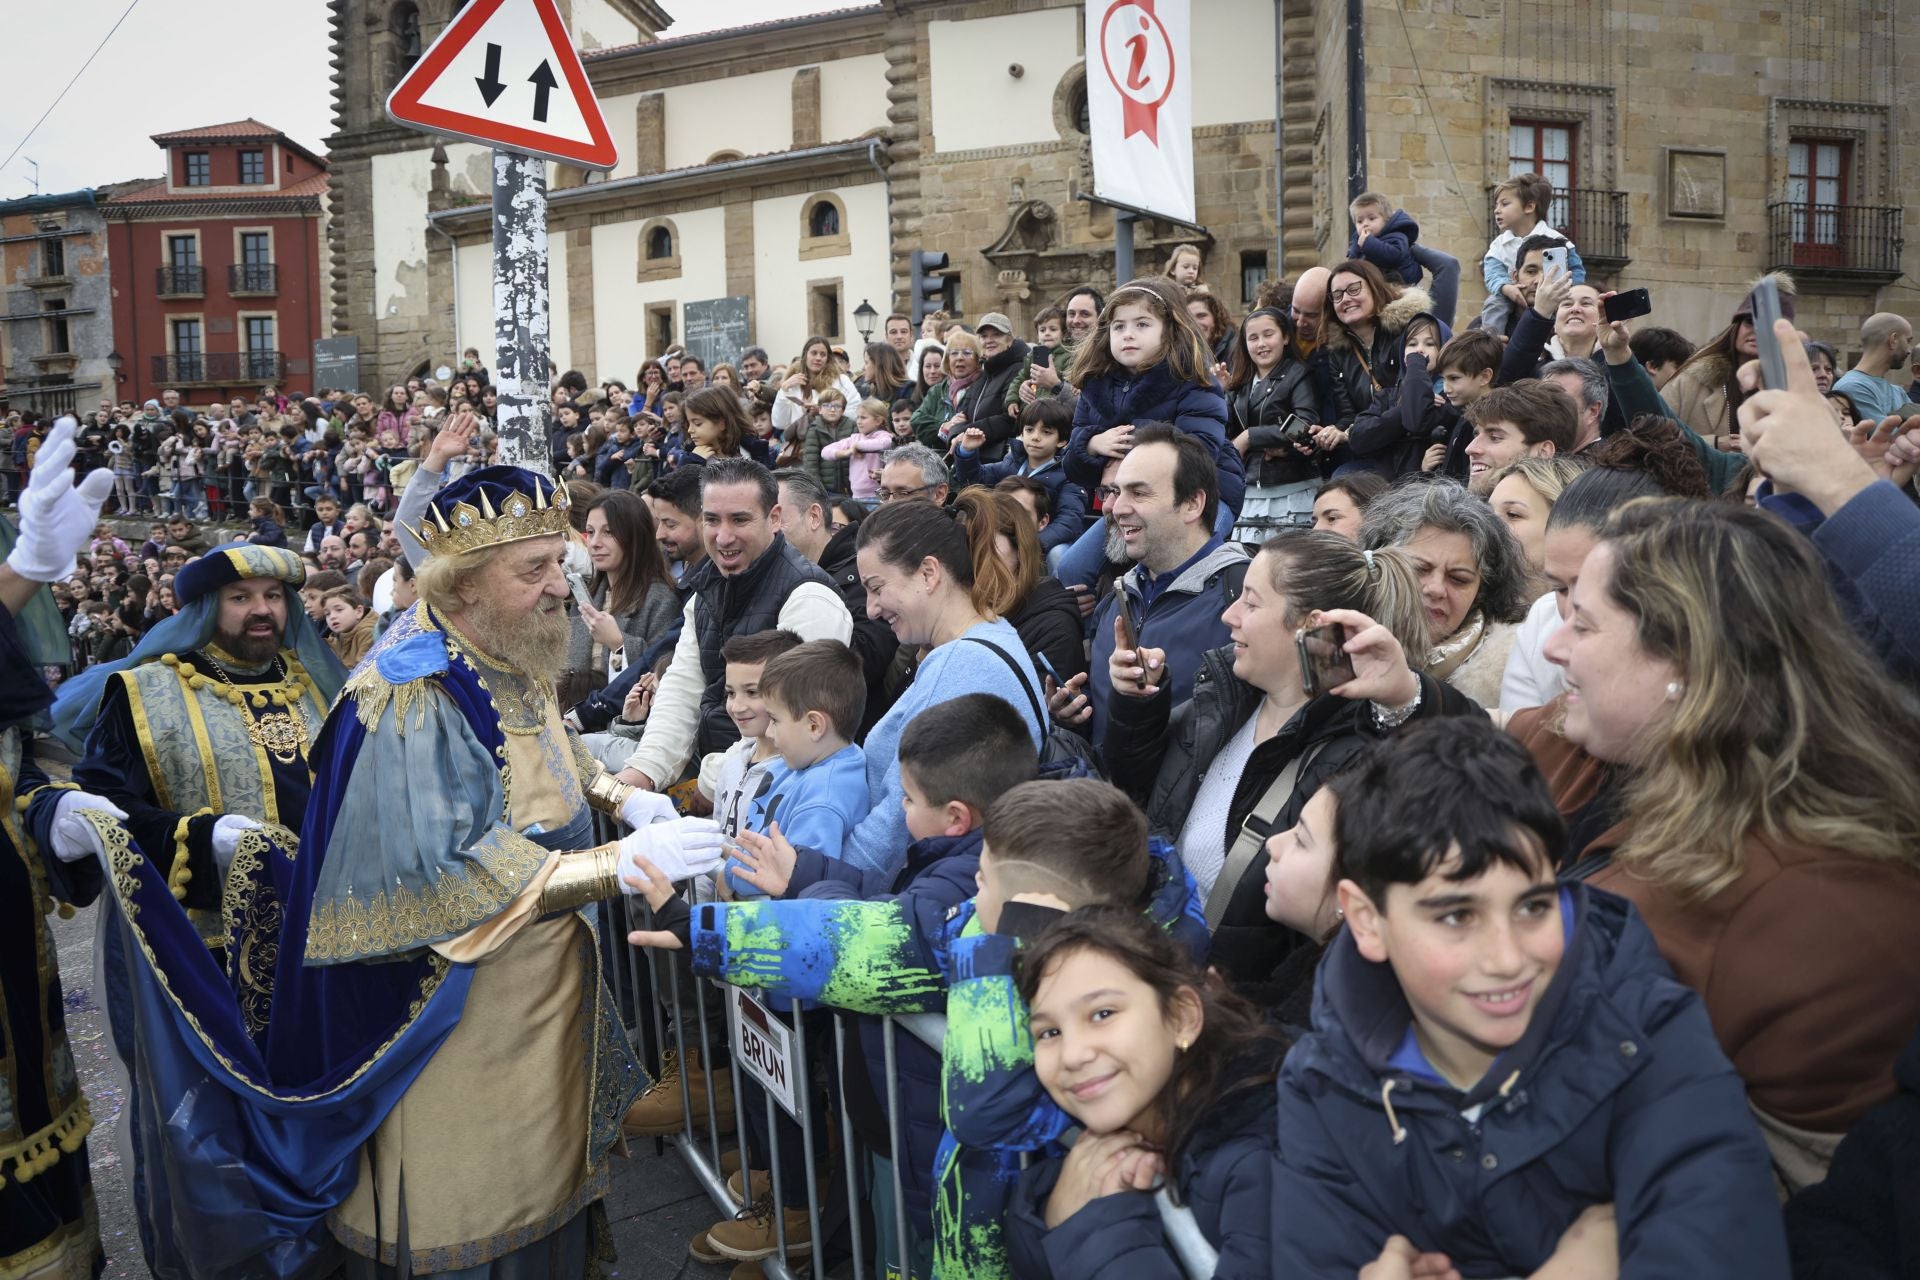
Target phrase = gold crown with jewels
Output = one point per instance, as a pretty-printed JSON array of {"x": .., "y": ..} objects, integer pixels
[{"x": 490, "y": 507}]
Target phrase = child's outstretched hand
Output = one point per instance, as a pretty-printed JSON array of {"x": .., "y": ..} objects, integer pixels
[
  {"x": 671, "y": 914},
  {"x": 766, "y": 861}
]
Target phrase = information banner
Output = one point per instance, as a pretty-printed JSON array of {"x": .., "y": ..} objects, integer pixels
[{"x": 1140, "y": 104}]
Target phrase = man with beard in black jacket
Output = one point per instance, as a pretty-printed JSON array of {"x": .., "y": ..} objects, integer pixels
[{"x": 804, "y": 519}]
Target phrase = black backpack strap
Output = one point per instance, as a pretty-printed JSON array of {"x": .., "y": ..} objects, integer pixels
[{"x": 1033, "y": 702}]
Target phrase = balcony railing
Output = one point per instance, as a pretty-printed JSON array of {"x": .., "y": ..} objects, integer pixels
[
  {"x": 1595, "y": 220},
  {"x": 224, "y": 368},
  {"x": 253, "y": 277},
  {"x": 1851, "y": 242},
  {"x": 180, "y": 282}
]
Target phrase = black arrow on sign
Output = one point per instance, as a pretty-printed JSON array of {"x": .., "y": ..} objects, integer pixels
[
  {"x": 542, "y": 81},
  {"x": 491, "y": 85}
]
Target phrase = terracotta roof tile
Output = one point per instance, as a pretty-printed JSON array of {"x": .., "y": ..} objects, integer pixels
[
  {"x": 248, "y": 128},
  {"x": 668, "y": 42},
  {"x": 155, "y": 192}
]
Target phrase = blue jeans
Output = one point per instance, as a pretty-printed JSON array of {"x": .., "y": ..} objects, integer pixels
[
  {"x": 190, "y": 498},
  {"x": 1445, "y": 270}
]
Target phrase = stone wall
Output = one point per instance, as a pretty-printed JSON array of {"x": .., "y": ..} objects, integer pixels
[{"x": 1640, "y": 77}]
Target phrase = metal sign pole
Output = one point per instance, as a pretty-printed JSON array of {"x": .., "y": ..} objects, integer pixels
[{"x": 520, "y": 316}]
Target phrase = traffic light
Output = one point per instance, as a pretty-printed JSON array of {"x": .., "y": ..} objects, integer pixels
[{"x": 929, "y": 287}]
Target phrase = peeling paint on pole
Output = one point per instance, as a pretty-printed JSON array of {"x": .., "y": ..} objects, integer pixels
[{"x": 520, "y": 314}]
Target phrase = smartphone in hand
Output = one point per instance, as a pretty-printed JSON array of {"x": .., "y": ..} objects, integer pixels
[
  {"x": 1324, "y": 664},
  {"x": 1627, "y": 305},
  {"x": 1551, "y": 258},
  {"x": 1766, "y": 309}
]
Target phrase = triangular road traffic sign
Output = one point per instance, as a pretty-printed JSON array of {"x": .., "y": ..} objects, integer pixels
[{"x": 505, "y": 73}]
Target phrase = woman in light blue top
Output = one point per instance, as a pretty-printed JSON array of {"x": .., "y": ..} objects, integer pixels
[{"x": 935, "y": 578}]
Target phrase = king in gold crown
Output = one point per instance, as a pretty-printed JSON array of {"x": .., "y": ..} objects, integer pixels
[{"x": 491, "y": 506}]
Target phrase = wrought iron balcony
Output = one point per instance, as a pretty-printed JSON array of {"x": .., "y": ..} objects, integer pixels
[
  {"x": 253, "y": 277},
  {"x": 180, "y": 282},
  {"x": 225, "y": 368},
  {"x": 1596, "y": 222},
  {"x": 1835, "y": 242}
]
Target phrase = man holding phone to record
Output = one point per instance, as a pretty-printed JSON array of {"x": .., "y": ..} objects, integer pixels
[{"x": 1168, "y": 605}]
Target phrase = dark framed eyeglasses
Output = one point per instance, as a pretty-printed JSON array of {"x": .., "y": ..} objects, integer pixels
[{"x": 900, "y": 495}]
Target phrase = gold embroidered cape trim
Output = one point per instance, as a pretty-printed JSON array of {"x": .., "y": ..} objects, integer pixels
[
  {"x": 402, "y": 919},
  {"x": 123, "y": 860},
  {"x": 70, "y": 1249}
]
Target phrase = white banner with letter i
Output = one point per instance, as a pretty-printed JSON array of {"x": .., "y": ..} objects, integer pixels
[{"x": 1140, "y": 104}]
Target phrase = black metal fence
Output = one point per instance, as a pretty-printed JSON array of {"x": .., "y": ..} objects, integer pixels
[
  {"x": 253, "y": 277},
  {"x": 178, "y": 281},
  {"x": 1835, "y": 239}
]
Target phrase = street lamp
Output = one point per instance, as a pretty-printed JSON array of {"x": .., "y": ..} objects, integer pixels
[
  {"x": 863, "y": 317},
  {"x": 115, "y": 362}
]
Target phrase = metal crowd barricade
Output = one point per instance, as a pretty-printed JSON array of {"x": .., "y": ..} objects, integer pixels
[{"x": 635, "y": 977}]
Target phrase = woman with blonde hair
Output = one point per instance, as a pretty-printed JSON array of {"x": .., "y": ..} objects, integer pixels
[
  {"x": 1242, "y": 756},
  {"x": 1733, "y": 761},
  {"x": 938, "y": 419}
]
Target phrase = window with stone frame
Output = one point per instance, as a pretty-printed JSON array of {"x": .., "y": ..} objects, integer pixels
[{"x": 1566, "y": 133}]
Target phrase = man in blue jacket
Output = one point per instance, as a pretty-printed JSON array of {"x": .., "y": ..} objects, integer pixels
[
  {"x": 1493, "y": 1054},
  {"x": 1183, "y": 577}
]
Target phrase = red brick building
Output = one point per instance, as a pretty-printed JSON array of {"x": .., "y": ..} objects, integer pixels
[{"x": 216, "y": 266}]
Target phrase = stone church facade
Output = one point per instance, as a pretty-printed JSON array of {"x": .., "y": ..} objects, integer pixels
[{"x": 799, "y": 163}]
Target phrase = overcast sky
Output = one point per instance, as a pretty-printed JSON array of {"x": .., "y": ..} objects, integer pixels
[{"x": 177, "y": 64}]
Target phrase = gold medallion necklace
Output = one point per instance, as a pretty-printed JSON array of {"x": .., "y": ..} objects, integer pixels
[{"x": 281, "y": 732}]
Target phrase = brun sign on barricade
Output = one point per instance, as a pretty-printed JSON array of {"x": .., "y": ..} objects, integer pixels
[{"x": 762, "y": 1044}]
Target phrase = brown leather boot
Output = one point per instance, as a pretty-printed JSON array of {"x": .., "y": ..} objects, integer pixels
[
  {"x": 657, "y": 1112},
  {"x": 750, "y": 1236}
]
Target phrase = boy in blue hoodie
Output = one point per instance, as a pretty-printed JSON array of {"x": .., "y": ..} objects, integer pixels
[
  {"x": 817, "y": 791},
  {"x": 1494, "y": 1054}
]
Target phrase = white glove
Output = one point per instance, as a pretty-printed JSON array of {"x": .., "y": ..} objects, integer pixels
[
  {"x": 74, "y": 838},
  {"x": 226, "y": 839},
  {"x": 681, "y": 848},
  {"x": 56, "y": 516},
  {"x": 643, "y": 807}
]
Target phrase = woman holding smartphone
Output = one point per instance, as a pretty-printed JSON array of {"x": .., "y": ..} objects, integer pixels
[{"x": 1241, "y": 757}]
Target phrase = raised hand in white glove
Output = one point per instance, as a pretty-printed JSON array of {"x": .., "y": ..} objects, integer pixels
[
  {"x": 644, "y": 807},
  {"x": 227, "y": 831},
  {"x": 74, "y": 838},
  {"x": 57, "y": 516},
  {"x": 681, "y": 848}
]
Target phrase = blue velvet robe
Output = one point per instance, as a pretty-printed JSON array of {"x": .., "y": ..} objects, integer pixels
[
  {"x": 273, "y": 1071},
  {"x": 46, "y": 1194}
]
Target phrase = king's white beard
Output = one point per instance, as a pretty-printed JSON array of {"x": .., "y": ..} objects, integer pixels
[{"x": 535, "y": 644}]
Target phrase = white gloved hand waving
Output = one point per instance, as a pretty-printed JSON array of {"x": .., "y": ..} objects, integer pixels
[
  {"x": 644, "y": 807},
  {"x": 56, "y": 515},
  {"x": 680, "y": 848},
  {"x": 74, "y": 838}
]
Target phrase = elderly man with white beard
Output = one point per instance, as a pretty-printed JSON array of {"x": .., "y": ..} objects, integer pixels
[{"x": 415, "y": 1049}]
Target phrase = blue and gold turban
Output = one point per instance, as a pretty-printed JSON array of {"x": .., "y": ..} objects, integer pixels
[
  {"x": 77, "y": 705},
  {"x": 237, "y": 562},
  {"x": 490, "y": 507}
]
